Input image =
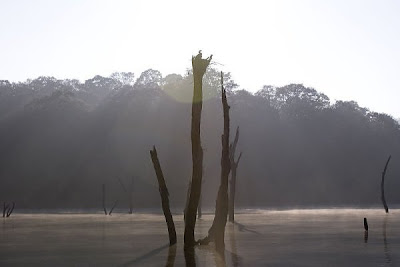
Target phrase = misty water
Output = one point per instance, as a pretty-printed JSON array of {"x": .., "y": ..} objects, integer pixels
[{"x": 313, "y": 237}]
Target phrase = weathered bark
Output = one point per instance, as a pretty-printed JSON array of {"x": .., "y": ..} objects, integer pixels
[
  {"x": 383, "y": 186},
  {"x": 162, "y": 188},
  {"x": 104, "y": 199},
  {"x": 199, "y": 68},
  {"x": 217, "y": 230},
  {"x": 234, "y": 165}
]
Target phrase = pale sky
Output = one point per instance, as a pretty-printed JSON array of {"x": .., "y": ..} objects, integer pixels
[{"x": 347, "y": 49}]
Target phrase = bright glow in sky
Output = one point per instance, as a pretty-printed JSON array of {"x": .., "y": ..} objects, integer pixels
[{"x": 348, "y": 49}]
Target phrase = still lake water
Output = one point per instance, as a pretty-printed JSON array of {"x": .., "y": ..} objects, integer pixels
[{"x": 314, "y": 237}]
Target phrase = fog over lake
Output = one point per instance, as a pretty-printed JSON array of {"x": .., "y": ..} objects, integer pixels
[
  {"x": 308, "y": 237},
  {"x": 212, "y": 133}
]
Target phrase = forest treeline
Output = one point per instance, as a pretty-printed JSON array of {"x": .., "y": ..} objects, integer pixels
[{"x": 60, "y": 140}]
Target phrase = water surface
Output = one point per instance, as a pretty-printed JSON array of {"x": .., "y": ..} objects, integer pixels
[{"x": 314, "y": 237}]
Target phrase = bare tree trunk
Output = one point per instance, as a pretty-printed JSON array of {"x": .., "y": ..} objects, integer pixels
[
  {"x": 162, "y": 188},
  {"x": 383, "y": 186},
  {"x": 199, "y": 68},
  {"x": 104, "y": 199},
  {"x": 221, "y": 209},
  {"x": 234, "y": 165},
  {"x": 217, "y": 230}
]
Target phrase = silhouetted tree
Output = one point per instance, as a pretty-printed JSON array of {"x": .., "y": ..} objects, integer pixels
[
  {"x": 199, "y": 68},
  {"x": 162, "y": 188},
  {"x": 383, "y": 186},
  {"x": 217, "y": 230}
]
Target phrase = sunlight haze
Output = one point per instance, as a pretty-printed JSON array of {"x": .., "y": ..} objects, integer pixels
[{"x": 348, "y": 50}]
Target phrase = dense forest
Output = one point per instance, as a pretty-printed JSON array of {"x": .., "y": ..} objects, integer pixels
[{"x": 60, "y": 140}]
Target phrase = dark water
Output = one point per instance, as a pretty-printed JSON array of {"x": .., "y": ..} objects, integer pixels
[{"x": 322, "y": 237}]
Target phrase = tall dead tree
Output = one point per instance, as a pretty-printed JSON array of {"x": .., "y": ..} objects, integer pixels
[
  {"x": 199, "y": 66},
  {"x": 234, "y": 166},
  {"x": 217, "y": 230},
  {"x": 383, "y": 186},
  {"x": 162, "y": 188}
]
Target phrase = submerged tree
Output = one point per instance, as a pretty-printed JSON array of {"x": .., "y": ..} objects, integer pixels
[
  {"x": 199, "y": 68},
  {"x": 7, "y": 210},
  {"x": 217, "y": 230},
  {"x": 383, "y": 186},
  {"x": 162, "y": 188},
  {"x": 234, "y": 166},
  {"x": 104, "y": 202}
]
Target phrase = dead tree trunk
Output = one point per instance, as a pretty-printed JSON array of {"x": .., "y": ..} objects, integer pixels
[
  {"x": 104, "y": 199},
  {"x": 234, "y": 165},
  {"x": 221, "y": 209},
  {"x": 383, "y": 186},
  {"x": 217, "y": 230},
  {"x": 162, "y": 188},
  {"x": 199, "y": 68}
]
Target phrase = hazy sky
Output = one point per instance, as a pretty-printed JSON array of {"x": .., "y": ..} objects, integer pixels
[{"x": 347, "y": 49}]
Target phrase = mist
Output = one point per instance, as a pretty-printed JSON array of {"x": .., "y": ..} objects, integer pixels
[{"x": 60, "y": 140}]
